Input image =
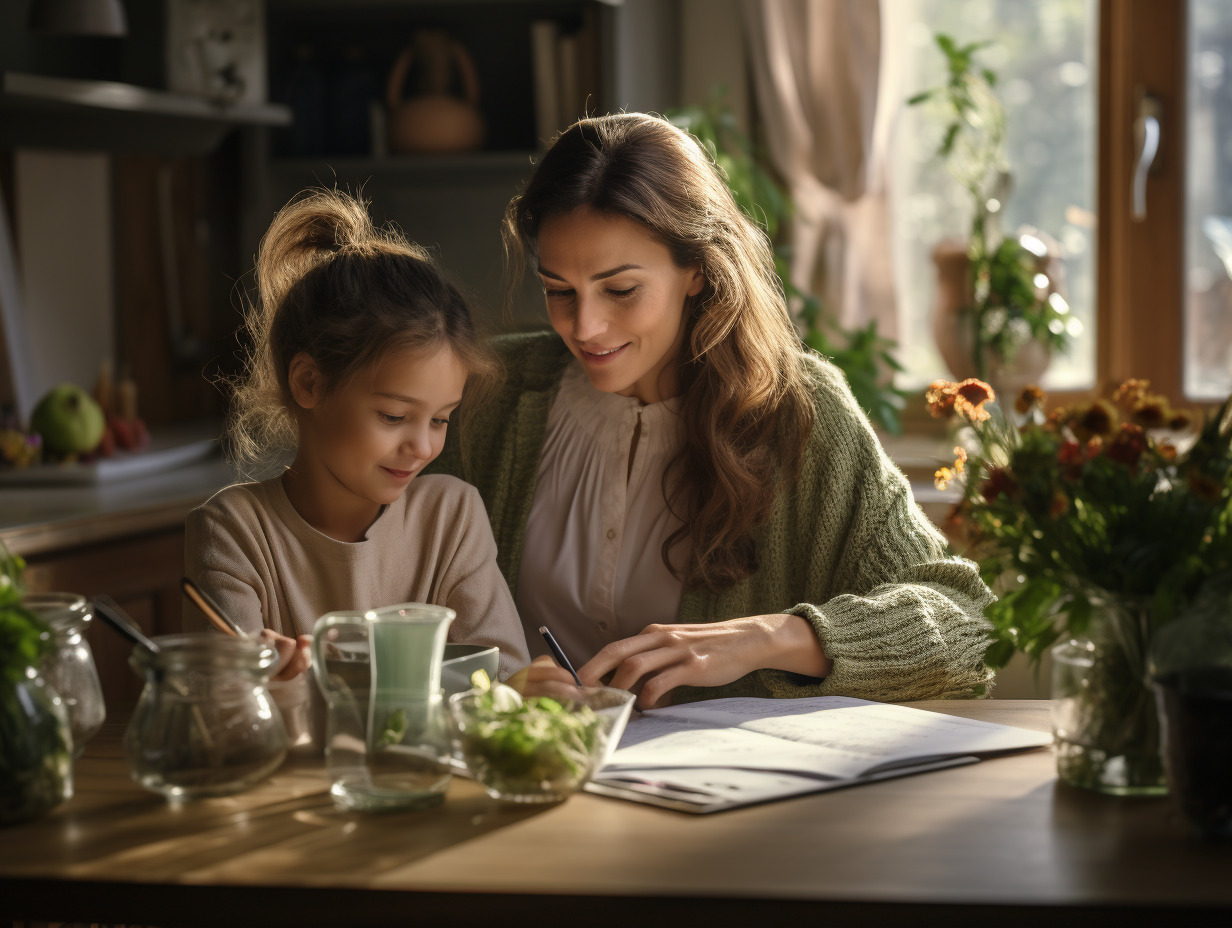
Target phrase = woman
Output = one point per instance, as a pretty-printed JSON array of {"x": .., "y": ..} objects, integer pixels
[{"x": 694, "y": 504}]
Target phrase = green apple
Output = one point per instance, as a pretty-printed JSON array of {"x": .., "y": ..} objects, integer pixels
[{"x": 69, "y": 420}]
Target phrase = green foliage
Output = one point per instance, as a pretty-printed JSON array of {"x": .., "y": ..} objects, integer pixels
[
  {"x": 24, "y": 638},
  {"x": 1011, "y": 294},
  {"x": 34, "y": 751},
  {"x": 1093, "y": 506},
  {"x": 864, "y": 356},
  {"x": 1008, "y": 309}
]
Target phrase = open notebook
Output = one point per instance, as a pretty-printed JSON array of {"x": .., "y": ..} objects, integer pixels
[{"x": 726, "y": 753}]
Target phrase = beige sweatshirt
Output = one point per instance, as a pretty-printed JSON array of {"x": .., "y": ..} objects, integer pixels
[{"x": 250, "y": 550}]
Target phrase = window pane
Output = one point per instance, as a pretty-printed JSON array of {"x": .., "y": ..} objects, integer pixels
[
  {"x": 1208, "y": 238},
  {"x": 1044, "y": 56}
]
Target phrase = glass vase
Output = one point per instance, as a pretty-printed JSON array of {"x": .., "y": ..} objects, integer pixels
[
  {"x": 36, "y": 770},
  {"x": 69, "y": 668},
  {"x": 1104, "y": 720}
]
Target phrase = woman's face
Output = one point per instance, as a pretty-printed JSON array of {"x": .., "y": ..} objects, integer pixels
[{"x": 617, "y": 298}]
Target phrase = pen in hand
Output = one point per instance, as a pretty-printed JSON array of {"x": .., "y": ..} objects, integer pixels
[{"x": 558, "y": 653}]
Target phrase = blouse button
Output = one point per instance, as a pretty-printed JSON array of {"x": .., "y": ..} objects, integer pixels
[
  {"x": 603, "y": 626},
  {"x": 611, "y": 533}
]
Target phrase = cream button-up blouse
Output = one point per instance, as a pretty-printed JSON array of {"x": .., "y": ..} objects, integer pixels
[{"x": 592, "y": 568}]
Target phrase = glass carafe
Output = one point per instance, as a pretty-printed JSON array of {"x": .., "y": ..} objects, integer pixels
[
  {"x": 387, "y": 740},
  {"x": 69, "y": 668},
  {"x": 205, "y": 724}
]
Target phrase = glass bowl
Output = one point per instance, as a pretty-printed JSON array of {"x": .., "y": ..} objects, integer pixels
[{"x": 544, "y": 750}]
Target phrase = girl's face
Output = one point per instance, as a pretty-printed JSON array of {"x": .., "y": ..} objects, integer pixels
[
  {"x": 617, "y": 298},
  {"x": 361, "y": 444}
]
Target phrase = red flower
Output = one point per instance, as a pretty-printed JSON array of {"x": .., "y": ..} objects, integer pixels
[
  {"x": 999, "y": 482},
  {"x": 1128, "y": 445},
  {"x": 1071, "y": 457},
  {"x": 1059, "y": 504}
]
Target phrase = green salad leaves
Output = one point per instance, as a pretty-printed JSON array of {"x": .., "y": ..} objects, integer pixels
[{"x": 518, "y": 748}]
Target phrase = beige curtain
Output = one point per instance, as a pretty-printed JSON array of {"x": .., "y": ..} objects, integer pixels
[{"x": 815, "y": 67}]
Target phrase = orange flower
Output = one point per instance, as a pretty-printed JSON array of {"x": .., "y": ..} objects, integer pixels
[
  {"x": 1131, "y": 392},
  {"x": 943, "y": 477},
  {"x": 960, "y": 459},
  {"x": 971, "y": 395},
  {"x": 940, "y": 399},
  {"x": 1056, "y": 420},
  {"x": 1030, "y": 398}
]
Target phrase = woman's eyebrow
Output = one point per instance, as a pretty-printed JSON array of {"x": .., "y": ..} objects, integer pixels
[{"x": 602, "y": 275}]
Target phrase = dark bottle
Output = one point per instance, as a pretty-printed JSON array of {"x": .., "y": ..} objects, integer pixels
[
  {"x": 302, "y": 88},
  {"x": 1195, "y": 706}
]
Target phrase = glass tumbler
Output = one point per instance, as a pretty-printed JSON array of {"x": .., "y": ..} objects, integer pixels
[
  {"x": 205, "y": 724},
  {"x": 69, "y": 668}
]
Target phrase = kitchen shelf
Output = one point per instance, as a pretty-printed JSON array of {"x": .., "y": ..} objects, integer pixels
[
  {"x": 464, "y": 167},
  {"x": 55, "y": 112}
]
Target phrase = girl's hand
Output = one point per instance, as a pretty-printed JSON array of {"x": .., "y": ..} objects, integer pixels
[
  {"x": 294, "y": 656},
  {"x": 663, "y": 657},
  {"x": 543, "y": 677}
]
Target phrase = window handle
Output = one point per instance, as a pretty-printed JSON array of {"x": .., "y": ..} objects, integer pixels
[{"x": 1146, "y": 148}]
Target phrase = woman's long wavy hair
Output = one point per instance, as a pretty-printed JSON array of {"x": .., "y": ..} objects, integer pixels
[
  {"x": 747, "y": 408},
  {"x": 332, "y": 285}
]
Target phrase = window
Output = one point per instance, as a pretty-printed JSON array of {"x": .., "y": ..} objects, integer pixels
[
  {"x": 1154, "y": 292},
  {"x": 1208, "y": 225},
  {"x": 1044, "y": 56}
]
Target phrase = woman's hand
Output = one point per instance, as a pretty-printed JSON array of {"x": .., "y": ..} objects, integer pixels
[
  {"x": 543, "y": 677},
  {"x": 294, "y": 656},
  {"x": 663, "y": 657}
]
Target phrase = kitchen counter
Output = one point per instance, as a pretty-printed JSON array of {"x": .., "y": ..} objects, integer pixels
[{"x": 43, "y": 519}]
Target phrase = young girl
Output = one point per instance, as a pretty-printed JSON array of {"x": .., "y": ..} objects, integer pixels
[{"x": 360, "y": 351}]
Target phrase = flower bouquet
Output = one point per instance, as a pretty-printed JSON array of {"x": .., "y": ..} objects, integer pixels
[{"x": 1097, "y": 524}]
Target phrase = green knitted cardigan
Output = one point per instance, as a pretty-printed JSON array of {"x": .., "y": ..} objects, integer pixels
[{"x": 845, "y": 547}]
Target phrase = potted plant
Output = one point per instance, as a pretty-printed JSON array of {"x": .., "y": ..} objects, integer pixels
[
  {"x": 864, "y": 355},
  {"x": 999, "y": 314},
  {"x": 35, "y": 743},
  {"x": 1098, "y": 525}
]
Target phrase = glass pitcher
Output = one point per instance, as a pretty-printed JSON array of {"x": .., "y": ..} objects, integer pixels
[
  {"x": 69, "y": 667},
  {"x": 387, "y": 741}
]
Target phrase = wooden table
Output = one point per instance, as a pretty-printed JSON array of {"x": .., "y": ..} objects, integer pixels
[{"x": 997, "y": 840}]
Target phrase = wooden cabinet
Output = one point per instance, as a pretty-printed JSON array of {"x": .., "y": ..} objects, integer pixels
[{"x": 141, "y": 573}]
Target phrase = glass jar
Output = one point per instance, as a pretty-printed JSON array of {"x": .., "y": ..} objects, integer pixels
[
  {"x": 69, "y": 667},
  {"x": 1104, "y": 722},
  {"x": 36, "y": 769},
  {"x": 205, "y": 724}
]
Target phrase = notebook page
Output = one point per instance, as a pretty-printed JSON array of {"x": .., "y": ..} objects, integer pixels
[{"x": 827, "y": 736}]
